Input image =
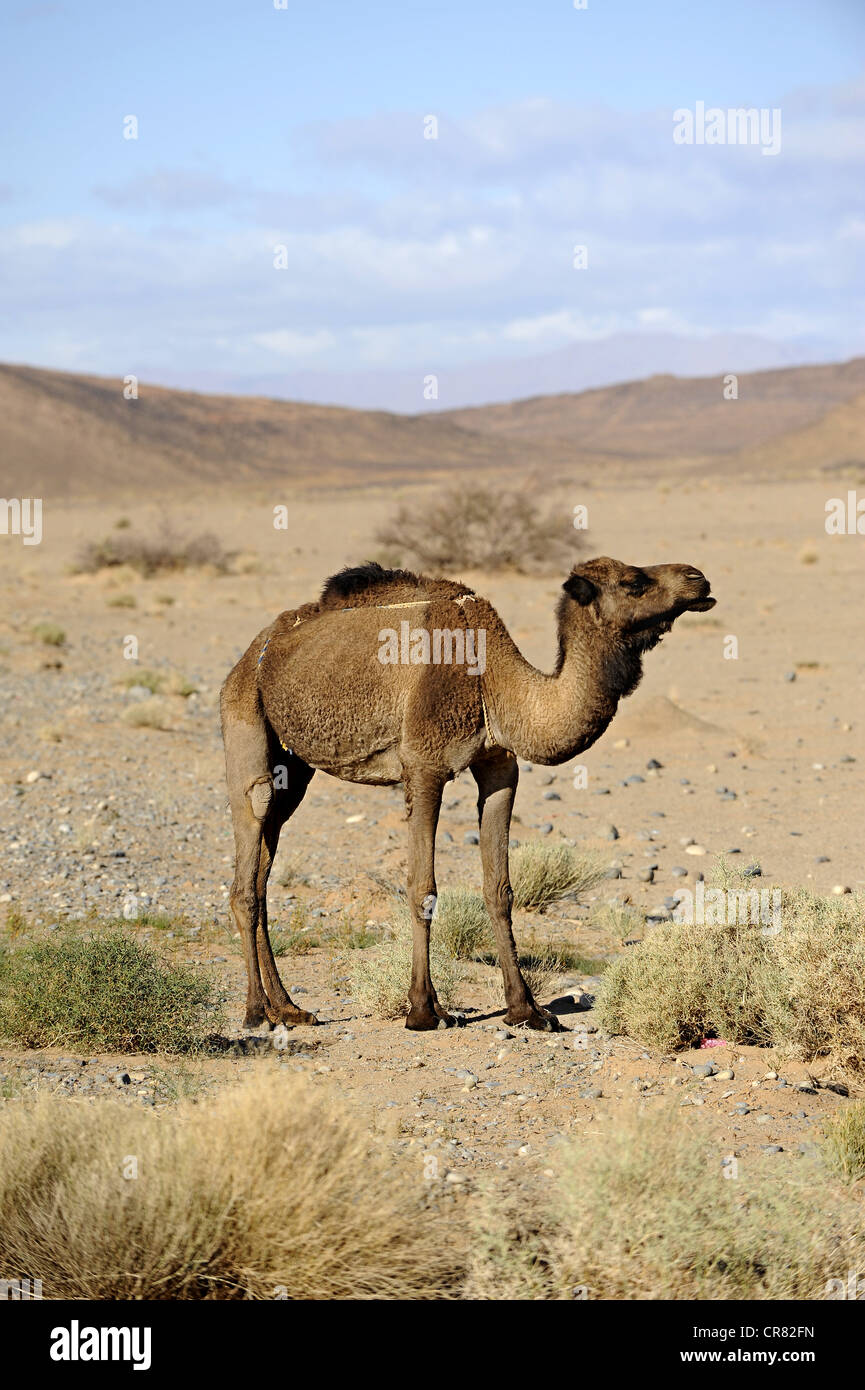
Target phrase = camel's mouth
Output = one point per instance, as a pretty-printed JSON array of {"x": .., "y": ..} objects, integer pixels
[{"x": 701, "y": 605}]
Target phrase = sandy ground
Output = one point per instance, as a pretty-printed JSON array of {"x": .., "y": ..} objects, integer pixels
[{"x": 751, "y": 760}]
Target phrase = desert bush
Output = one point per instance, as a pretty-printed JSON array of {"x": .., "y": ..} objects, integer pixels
[
  {"x": 122, "y": 601},
  {"x": 312, "y": 1214},
  {"x": 843, "y": 1142},
  {"x": 103, "y": 992},
  {"x": 542, "y": 873},
  {"x": 380, "y": 981},
  {"x": 483, "y": 527},
  {"x": 460, "y": 924},
  {"x": 49, "y": 633},
  {"x": 641, "y": 1212},
  {"x": 150, "y": 714},
  {"x": 158, "y": 554},
  {"x": 801, "y": 989},
  {"x": 162, "y": 682}
]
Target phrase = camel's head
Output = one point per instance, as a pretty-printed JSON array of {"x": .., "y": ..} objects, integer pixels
[{"x": 637, "y": 602}]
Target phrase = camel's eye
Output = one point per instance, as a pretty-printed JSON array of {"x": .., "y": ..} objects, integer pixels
[{"x": 635, "y": 584}]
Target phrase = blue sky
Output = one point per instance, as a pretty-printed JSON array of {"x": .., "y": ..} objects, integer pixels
[{"x": 303, "y": 127}]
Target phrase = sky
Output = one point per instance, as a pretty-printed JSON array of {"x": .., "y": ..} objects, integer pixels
[{"x": 302, "y": 128}]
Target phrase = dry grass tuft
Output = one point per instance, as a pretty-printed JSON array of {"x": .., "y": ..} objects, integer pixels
[
  {"x": 461, "y": 925},
  {"x": 380, "y": 981},
  {"x": 480, "y": 526},
  {"x": 844, "y": 1141},
  {"x": 641, "y": 1212},
  {"x": 801, "y": 989},
  {"x": 50, "y": 633},
  {"x": 267, "y": 1191},
  {"x": 542, "y": 873}
]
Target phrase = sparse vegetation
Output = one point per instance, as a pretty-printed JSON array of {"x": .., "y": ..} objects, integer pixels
[
  {"x": 105, "y": 991},
  {"x": 482, "y": 526},
  {"x": 161, "y": 682},
  {"x": 800, "y": 989},
  {"x": 380, "y": 981},
  {"x": 122, "y": 601},
  {"x": 844, "y": 1141},
  {"x": 461, "y": 925},
  {"x": 316, "y": 1216},
  {"x": 542, "y": 874},
  {"x": 164, "y": 553},
  {"x": 150, "y": 714},
  {"x": 641, "y": 1212},
  {"x": 50, "y": 633}
]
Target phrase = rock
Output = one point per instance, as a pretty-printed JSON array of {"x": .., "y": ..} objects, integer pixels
[
  {"x": 634, "y": 780},
  {"x": 614, "y": 871},
  {"x": 32, "y": 777},
  {"x": 471, "y": 837},
  {"x": 704, "y": 1069},
  {"x": 646, "y": 875},
  {"x": 771, "y": 1148},
  {"x": 123, "y": 1079},
  {"x": 592, "y": 1093},
  {"x": 601, "y": 791},
  {"x": 752, "y": 871},
  {"x": 130, "y": 908},
  {"x": 513, "y": 844},
  {"x": 741, "y": 1108},
  {"x": 726, "y": 1075},
  {"x": 653, "y": 765},
  {"x": 694, "y": 849},
  {"x": 679, "y": 872},
  {"x": 822, "y": 859},
  {"x": 545, "y": 829},
  {"x": 551, "y": 796},
  {"x": 790, "y": 676},
  {"x": 659, "y": 914},
  {"x": 840, "y": 889},
  {"x": 771, "y": 1076},
  {"x": 608, "y": 832}
]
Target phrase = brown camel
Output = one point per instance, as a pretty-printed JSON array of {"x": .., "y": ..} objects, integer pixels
[{"x": 322, "y": 688}]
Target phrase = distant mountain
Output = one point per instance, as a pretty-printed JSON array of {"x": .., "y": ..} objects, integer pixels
[
  {"x": 63, "y": 434},
  {"x": 578, "y": 367}
]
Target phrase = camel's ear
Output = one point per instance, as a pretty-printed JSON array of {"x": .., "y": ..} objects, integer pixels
[{"x": 580, "y": 588}]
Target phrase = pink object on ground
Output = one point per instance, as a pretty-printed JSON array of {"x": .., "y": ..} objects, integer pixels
[{"x": 713, "y": 1042}]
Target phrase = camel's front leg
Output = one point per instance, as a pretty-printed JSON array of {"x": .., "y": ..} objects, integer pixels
[
  {"x": 497, "y": 777},
  {"x": 423, "y": 795}
]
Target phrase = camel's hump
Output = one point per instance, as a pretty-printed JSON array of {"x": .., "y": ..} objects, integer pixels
[{"x": 372, "y": 584}]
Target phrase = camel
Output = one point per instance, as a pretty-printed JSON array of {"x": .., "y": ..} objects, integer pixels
[{"x": 313, "y": 691}]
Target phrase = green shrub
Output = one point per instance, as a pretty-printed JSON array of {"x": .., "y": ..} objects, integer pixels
[{"x": 104, "y": 992}]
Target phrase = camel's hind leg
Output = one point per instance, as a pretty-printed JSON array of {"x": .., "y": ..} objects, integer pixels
[
  {"x": 258, "y": 812},
  {"x": 497, "y": 777}
]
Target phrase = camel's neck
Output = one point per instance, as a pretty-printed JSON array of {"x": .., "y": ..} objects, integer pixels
[{"x": 550, "y": 718}]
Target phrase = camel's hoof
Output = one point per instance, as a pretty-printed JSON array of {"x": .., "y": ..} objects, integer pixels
[
  {"x": 255, "y": 1017},
  {"x": 293, "y": 1018},
  {"x": 540, "y": 1019},
  {"x": 428, "y": 1021}
]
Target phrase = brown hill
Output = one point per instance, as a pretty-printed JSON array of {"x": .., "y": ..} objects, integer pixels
[
  {"x": 65, "y": 434},
  {"x": 676, "y": 416}
]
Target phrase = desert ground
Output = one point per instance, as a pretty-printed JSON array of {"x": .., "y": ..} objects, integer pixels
[{"x": 760, "y": 754}]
